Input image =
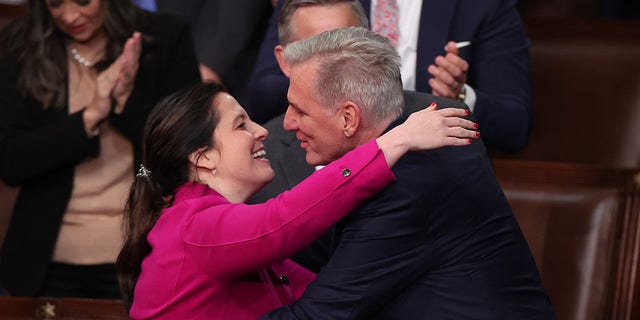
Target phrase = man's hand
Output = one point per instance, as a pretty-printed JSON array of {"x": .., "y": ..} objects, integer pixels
[{"x": 449, "y": 73}]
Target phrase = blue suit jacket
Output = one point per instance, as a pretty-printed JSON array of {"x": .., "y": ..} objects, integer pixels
[
  {"x": 498, "y": 57},
  {"x": 439, "y": 243},
  {"x": 290, "y": 167}
]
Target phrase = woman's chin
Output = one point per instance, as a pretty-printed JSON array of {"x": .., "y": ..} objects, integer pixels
[{"x": 268, "y": 178}]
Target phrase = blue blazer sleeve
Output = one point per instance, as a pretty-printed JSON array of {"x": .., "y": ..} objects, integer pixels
[
  {"x": 498, "y": 57},
  {"x": 441, "y": 241},
  {"x": 499, "y": 67},
  {"x": 500, "y": 74}
]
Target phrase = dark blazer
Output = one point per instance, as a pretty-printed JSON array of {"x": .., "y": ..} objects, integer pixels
[
  {"x": 498, "y": 57},
  {"x": 290, "y": 167},
  {"x": 288, "y": 159},
  {"x": 227, "y": 34},
  {"x": 39, "y": 149},
  {"x": 439, "y": 243}
]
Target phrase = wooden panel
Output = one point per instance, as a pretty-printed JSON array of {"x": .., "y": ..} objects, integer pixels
[
  {"x": 586, "y": 92},
  {"x": 13, "y": 308},
  {"x": 610, "y": 198}
]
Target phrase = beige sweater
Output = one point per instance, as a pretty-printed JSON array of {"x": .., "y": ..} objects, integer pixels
[{"x": 91, "y": 231}]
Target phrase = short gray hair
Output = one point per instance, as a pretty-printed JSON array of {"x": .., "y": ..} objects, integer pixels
[
  {"x": 353, "y": 64},
  {"x": 290, "y": 6}
]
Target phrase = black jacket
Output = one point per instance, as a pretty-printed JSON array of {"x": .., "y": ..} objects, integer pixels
[{"x": 39, "y": 149}]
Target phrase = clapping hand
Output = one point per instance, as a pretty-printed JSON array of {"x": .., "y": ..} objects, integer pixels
[
  {"x": 449, "y": 73},
  {"x": 127, "y": 67},
  {"x": 114, "y": 85}
]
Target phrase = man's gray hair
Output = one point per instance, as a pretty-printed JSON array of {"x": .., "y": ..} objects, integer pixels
[
  {"x": 285, "y": 30},
  {"x": 353, "y": 64}
]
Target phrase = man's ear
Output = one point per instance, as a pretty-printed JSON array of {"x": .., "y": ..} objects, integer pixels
[
  {"x": 278, "y": 51},
  {"x": 204, "y": 159},
  {"x": 350, "y": 118}
]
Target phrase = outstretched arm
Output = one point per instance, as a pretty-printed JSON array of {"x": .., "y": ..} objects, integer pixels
[
  {"x": 427, "y": 129},
  {"x": 278, "y": 228}
]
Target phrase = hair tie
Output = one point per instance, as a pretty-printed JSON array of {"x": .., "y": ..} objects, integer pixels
[{"x": 143, "y": 172}]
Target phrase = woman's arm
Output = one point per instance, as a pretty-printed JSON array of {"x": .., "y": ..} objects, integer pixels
[
  {"x": 278, "y": 228},
  {"x": 34, "y": 142},
  {"x": 248, "y": 237}
]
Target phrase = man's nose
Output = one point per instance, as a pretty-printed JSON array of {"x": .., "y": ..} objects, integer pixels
[{"x": 290, "y": 122}]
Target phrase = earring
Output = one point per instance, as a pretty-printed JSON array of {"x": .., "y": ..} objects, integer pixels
[{"x": 214, "y": 171}]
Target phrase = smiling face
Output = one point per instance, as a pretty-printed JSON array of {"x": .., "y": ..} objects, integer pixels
[
  {"x": 319, "y": 129},
  {"x": 238, "y": 152},
  {"x": 81, "y": 20}
]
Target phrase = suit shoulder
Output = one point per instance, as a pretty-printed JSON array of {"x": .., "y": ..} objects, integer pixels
[
  {"x": 160, "y": 24},
  {"x": 415, "y": 101}
]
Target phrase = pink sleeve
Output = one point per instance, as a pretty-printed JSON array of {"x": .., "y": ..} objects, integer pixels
[{"x": 234, "y": 239}]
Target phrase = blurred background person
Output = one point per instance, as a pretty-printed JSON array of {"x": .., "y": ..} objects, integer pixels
[
  {"x": 491, "y": 74},
  {"x": 227, "y": 35},
  {"x": 77, "y": 81}
]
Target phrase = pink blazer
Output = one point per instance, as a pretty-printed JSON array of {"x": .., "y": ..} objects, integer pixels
[{"x": 212, "y": 259}]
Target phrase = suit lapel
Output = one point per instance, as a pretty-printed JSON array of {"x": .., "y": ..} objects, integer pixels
[{"x": 435, "y": 19}]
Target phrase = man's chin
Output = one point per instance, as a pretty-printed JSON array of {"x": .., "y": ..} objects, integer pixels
[{"x": 315, "y": 160}]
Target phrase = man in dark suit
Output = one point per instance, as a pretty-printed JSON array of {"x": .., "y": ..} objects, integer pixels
[
  {"x": 440, "y": 242},
  {"x": 290, "y": 167},
  {"x": 498, "y": 74},
  {"x": 288, "y": 159},
  {"x": 227, "y": 36}
]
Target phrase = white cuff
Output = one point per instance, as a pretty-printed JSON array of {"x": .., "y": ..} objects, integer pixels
[{"x": 471, "y": 97}]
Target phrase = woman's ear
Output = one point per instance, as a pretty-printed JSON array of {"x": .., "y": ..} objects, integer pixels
[
  {"x": 206, "y": 159},
  {"x": 278, "y": 51}
]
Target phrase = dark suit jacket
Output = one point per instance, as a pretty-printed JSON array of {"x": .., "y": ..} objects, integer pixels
[
  {"x": 39, "y": 149},
  {"x": 290, "y": 167},
  {"x": 288, "y": 159},
  {"x": 227, "y": 34},
  {"x": 498, "y": 57},
  {"x": 439, "y": 243}
]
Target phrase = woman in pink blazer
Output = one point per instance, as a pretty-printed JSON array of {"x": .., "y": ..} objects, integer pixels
[{"x": 194, "y": 250}]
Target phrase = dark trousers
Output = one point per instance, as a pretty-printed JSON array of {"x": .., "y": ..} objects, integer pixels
[{"x": 81, "y": 281}]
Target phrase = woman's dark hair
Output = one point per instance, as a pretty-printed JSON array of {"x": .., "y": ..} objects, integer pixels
[
  {"x": 179, "y": 125},
  {"x": 40, "y": 48}
]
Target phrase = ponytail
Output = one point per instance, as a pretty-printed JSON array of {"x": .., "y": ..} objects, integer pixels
[{"x": 141, "y": 213}]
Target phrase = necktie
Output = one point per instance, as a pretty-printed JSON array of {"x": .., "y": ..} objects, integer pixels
[{"x": 385, "y": 20}]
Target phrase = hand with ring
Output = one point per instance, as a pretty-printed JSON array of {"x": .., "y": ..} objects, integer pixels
[{"x": 449, "y": 73}]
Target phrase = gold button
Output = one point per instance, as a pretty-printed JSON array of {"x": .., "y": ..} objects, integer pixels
[{"x": 346, "y": 172}]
